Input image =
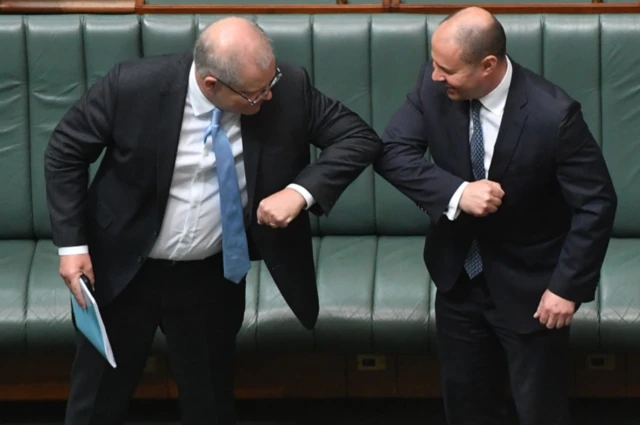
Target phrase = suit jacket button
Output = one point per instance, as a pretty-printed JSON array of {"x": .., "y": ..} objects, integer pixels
[{"x": 140, "y": 258}]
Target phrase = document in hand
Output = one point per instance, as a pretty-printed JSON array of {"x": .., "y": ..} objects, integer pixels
[{"x": 89, "y": 322}]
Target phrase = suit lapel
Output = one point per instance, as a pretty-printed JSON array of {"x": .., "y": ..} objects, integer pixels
[
  {"x": 457, "y": 116},
  {"x": 513, "y": 119},
  {"x": 251, "y": 146},
  {"x": 168, "y": 123}
]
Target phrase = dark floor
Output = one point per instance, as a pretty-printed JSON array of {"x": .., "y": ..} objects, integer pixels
[{"x": 325, "y": 412}]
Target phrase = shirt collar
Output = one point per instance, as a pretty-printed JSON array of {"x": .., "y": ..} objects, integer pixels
[
  {"x": 200, "y": 104},
  {"x": 496, "y": 100}
]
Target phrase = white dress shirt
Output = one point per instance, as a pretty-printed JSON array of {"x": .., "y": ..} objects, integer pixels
[
  {"x": 490, "y": 119},
  {"x": 192, "y": 225}
]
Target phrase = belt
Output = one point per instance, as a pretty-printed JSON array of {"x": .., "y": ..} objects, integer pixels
[
  {"x": 173, "y": 263},
  {"x": 163, "y": 263}
]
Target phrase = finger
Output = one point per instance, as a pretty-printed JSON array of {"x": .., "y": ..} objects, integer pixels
[
  {"x": 282, "y": 222},
  {"x": 261, "y": 216},
  {"x": 538, "y": 312},
  {"x": 496, "y": 189},
  {"x": 77, "y": 294},
  {"x": 567, "y": 321},
  {"x": 89, "y": 273},
  {"x": 544, "y": 317},
  {"x": 551, "y": 323},
  {"x": 490, "y": 208}
]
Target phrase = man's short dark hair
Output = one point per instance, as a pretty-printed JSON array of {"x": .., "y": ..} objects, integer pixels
[{"x": 480, "y": 41}]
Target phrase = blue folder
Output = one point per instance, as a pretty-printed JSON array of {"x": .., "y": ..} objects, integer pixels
[{"x": 89, "y": 322}]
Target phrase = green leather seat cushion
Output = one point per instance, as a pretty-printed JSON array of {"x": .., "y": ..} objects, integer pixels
[
  {"x": 620, "y": 297},
  {"x": 15, "y": 261}
]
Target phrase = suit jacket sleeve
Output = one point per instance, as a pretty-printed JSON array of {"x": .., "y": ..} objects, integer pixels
[
  {"x": 348, "y": 146},
  {"x": 587, "y": 187},
  {"x": 76, "y": 142},
  {"x": 403, "y": 164}
]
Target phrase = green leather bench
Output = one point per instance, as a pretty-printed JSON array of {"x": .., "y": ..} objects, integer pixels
[{"x": 375, "y": 294}]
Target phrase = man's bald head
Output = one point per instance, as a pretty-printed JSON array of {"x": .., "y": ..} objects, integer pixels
[
  {"x": 477, "y": 32},
  {"x": 229, "y": 46}
]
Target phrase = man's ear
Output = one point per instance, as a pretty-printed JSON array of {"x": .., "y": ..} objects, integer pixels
[
  {"x": 210, "y": 82},
  {"x": 489, "y": 64}
]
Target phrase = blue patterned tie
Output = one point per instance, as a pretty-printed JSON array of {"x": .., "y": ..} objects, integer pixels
[
  {"x": 235, "y": 251},
  {"x": 473, "y": 262}
]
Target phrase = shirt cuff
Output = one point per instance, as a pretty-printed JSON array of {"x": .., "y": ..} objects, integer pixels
[
  {"x": 305, "y": 194},
  {"x": 73, "y": 250},
  {"x": 453, "y": 210}
]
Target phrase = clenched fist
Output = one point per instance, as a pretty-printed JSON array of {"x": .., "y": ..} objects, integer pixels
[
  {"x": 481, "y": 198},
  {"x": 554, "y": 311},
  {"x": 279, "y": 209},
  {"x": 71, "y": 267}
]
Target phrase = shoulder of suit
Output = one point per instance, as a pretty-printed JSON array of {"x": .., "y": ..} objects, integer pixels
[
  {"x": 544, "y": 95},
  {"x": 152, "y": 72},
  {"x": 164, "y": 64},
  {"x": 292, "y": 70}
]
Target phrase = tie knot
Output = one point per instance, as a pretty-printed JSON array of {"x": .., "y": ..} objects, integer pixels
[
  {"x": 212, "y": 128},
  {"x": 216, "y": 116},
  {"x": 475, "y": 105}
]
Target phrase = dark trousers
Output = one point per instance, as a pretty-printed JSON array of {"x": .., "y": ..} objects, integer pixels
[
  {"x": 200, "y": 314},
  {"x": 476, "y": 354}
]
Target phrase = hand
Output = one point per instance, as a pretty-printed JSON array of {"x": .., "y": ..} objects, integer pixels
[
  {"x": 71, "y": 267},
  {"x": 554, "y": 311},
  {"x": 481, "y": 198},
  {"x": 279, "y": 209}
]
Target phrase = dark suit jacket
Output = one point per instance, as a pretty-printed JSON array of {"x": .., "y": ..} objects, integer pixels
[
  {"x": 553, "y": 227},
  {"x": 135, "y": 112}
]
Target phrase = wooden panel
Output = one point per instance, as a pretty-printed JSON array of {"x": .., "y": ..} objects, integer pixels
[
  {"x": 67, "y": 6},
  {"x": 372, "y": 376},
  {"x": 313, "y": 376},
  {"x": 520, "y": 8},
  {"x": 47, "y": 378},
  {"x": 263, "y": 9},
  {"x": 600, "y": 375},
  {"x": 633, "y": 375},
  {"x": 282, "y": 376},
  {"x": 418, "y": 376}
]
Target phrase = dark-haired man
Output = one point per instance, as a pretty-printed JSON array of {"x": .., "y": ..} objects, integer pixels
[{"x": 521, "y": 207}]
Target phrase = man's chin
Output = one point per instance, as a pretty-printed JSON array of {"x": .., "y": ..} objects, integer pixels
[
  {"x": 252, "y": 110},
  {"x": 453, "y": 93}
]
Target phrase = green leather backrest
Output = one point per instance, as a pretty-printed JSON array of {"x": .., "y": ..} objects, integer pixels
[
  {"x": 620, "y": 76},
  {"x": 15, "y": 174},
  {"x": 369, "y": 62}
]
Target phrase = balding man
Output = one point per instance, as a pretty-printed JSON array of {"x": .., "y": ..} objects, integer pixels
[
  {"x": 206, "y": 160},
  {"x": 521, "y": 207}
]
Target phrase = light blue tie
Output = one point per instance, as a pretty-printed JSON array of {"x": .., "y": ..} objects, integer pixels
[
  {"x": 235, "y": 251},
  {"x": 473, "y": 262}
]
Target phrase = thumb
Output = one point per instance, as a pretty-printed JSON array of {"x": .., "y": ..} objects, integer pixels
[
  {"x": 87, "y": 271},
  {"x": 536, "y": 315}
]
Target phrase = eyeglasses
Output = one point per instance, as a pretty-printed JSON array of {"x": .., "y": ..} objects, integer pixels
[{"x": 262, "y": 94}]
